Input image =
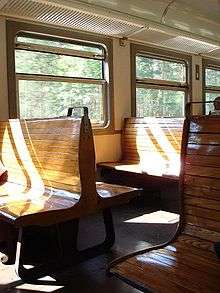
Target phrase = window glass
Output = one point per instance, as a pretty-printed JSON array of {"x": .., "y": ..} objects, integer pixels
[
  {"x": 50, "y": 81},
  {"x": 46, "y": 99},
  {"x": 153, "y": 68},
  {"x": 60, "y": 44},
  {"x": 212, "y": 82},
  {"x": 161, "y": 86},
  {"x": 159, "y": 103},
  {"x": 212, "y": 77},
  {"x": 56, "y": 64},
  {"x": 210, "y": 97}
]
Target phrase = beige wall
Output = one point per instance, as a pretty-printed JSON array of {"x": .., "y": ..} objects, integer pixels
[
  {"x": 122, "y": 82},
  {"x": 3, "y": 73},
  {"x": 108, "y": 147},
  {"x": 197, "y": 84}
]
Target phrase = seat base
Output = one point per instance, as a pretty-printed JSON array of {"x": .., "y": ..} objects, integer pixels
[{"x": 66, "y": 247}]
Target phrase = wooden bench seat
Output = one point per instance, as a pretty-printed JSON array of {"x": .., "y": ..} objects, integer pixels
[
  {"x": 51, "y": 180},
  {"x": 176, "y": 268},
  {"x": 187, "y": 263},
  {"x": 150, "y": 150}
]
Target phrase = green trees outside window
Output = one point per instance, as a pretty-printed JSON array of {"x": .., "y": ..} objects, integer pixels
[
  {"x": 53, "y": 75},
  {"x": 212, "y": 86},
  {"x": 160, "y": 87}
]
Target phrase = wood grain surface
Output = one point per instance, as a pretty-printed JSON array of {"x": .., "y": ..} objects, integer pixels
[
  {"x": 51, "y": 172},
  {"x": 188, "y": 263},
  {"x": 151, "y": 145}
]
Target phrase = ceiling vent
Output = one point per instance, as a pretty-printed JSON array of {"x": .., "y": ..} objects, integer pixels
[
  {"x": 152, "y": 35},
  {"x": 214, "y": 54},
  {"x": 53, "y": 13},
  {"x": 189, "y": 45}
]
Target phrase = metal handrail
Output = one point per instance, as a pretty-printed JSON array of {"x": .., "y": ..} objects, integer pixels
[{"x": 188, "y": 107}]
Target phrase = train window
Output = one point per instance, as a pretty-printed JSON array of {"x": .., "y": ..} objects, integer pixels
[
  {"x": 212, "y": 86},
  {"x": 54, "y": 74},
  {"x": 161, "y": 86}
]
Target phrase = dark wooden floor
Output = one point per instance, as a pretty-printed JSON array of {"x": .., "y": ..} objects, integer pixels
[{"x": 137, "y": 226}]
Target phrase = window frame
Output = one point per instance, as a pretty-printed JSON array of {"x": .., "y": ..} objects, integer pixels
[
  {"x": 214, "y": 65},
  {"x": 160, "y": 54},
  {"x": 14, "y": 29}
]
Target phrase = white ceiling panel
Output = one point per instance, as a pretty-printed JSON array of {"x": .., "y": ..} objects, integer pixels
[
  {"x": 146, "y": 9},
  {"x": 185, "y": 18}
]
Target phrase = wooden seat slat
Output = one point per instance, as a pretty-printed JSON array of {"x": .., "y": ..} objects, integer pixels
[
  {"x": 203, "y": 172},
  {"x": 182, "y": 268},
  {"x": 202, "y": 182},
  {"x": 132, "y": 152},
  {"x": 195, "y": 254},
  {"x": 204, "y": 192},
  {"x": 203, "y": 245},
  {"x": 201, "y": 202},
  {"x": 193, "y": 149},
  {"x": 201, "y": 233},
  {"x": 188, "y": 262},
  {"x": 207, "y": 125},
  {"x": 200, "y": 139},
  {"x": 202, "y": 248},
  {"x": 203, "y": 223},
  {"x": 205, "y": 213},
  {"x": 201, "y": 160}
]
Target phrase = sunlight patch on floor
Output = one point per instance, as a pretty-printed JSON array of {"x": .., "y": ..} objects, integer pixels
[
  {"x": 40, "y": 288},
  {"x": 158, "y": 217}
]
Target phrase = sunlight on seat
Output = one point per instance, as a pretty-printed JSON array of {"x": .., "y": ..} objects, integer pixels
[
  {"x": 151, "y": 162},
  {"x": 25, "y": 166},
  {"x": 130, "y": 168},
  {"x": 155, "y": 261},
  {"x": 158, "y": 217},
  {"x": 162, "y": 158}
]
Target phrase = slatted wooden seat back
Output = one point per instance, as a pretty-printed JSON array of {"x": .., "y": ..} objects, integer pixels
[
  {"x": 152, "y": 141},
  {"x": 187, "y": 263},
  {"x": 201, "y": 181},
  {"x": 46, "y": 155},
  {"x": 41, "y": 153}
]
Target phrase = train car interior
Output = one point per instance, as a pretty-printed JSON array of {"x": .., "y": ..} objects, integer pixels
[{"x": 110, "y": 146}]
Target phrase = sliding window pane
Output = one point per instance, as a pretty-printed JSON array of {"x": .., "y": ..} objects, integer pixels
[
  {"x": 31, "y": 62},
  {"x": 60, "y": 44},
  {"x": 160, "y": 69},
  {"x": 159, "y": 103},
  {"x": 47, "y": 99},
  {"x": 212, "y": 77}
]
